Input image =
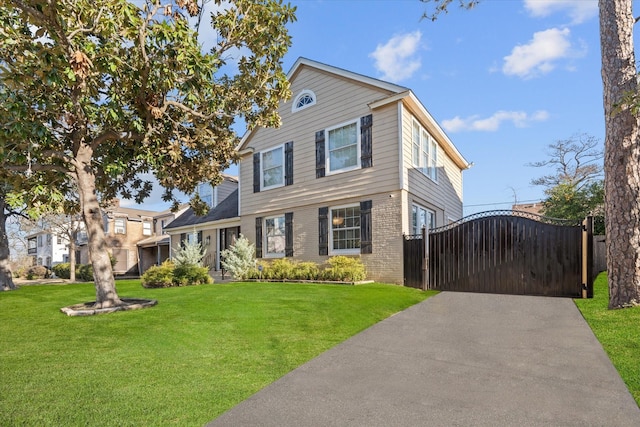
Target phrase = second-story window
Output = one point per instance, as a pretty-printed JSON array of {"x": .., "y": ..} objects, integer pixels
[
  {"x": 425, "y": 151},
  {"x": 272, "y": 168},
  {"x": 343, "y": 148},
  {"x": 120, "y": 226},
  {"x": 146, "y": 228},
  {"x": 205, "y": 191}
]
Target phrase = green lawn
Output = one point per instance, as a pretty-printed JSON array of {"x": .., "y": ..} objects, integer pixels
[
  {"x": 618, "y": 331},
  {"x": 199, "y": 352}
]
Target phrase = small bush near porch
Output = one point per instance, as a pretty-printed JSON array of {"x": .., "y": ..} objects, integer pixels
[{"x": 199, "y": 352}]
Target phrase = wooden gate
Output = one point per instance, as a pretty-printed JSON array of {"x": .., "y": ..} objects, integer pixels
[{"x": 506, "y": 252}]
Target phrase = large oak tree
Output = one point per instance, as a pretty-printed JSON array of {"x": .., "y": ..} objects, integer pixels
[{"x": 123, "y": 89}]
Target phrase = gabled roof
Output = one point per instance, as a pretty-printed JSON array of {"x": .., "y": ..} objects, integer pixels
[
  {"x": 226, "y": 209},
  {"x": 302, "y": 62},
  {"x": 397, "y": 94}
]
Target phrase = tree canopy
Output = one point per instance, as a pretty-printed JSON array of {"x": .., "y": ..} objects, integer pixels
[{"x": 101, "y": 93}]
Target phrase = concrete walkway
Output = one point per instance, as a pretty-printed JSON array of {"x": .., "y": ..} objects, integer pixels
[{"x": 456, "y": 359}]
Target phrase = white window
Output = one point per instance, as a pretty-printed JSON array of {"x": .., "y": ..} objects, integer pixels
[
  {"x": 275, "y": 236},
  {"x": 40, "y": 240},
  {"x": 305, "y": 99},
  {"x": 343, "y": 147},
  {"x": 422, "y": 217},
  {"x": 272, "y": 168},
  {"x": 120, "y": 226},
  {"x": 345, "y": 230},
  {"x": 146, "y": 228},
  {"x": 205, "y": 191},
  {"x": 425, "y": 151}
]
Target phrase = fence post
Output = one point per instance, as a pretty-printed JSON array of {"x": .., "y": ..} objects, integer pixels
[
  {"x": 587, "y": 257},
  {"x": 425, "y": 259}
]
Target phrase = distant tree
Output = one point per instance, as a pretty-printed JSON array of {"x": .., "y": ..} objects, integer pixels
[
  {"x": 116, "y": 89},
  {"x": 622, "y": 146},
  {"x": 575, "y": 189},
  {"x": 576, "y": 161}
]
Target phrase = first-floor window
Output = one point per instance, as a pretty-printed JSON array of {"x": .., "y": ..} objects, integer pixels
[
  {"x": 345, "y": 229},
  {"x": 422, "y": 217},
  {"x": 275, "y": 236}
]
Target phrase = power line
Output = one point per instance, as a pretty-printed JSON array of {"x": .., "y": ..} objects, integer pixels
[{"x": 504, "y": 203}]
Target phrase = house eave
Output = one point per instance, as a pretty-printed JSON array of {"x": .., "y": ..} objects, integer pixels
[{"x": 411, "y": 101}]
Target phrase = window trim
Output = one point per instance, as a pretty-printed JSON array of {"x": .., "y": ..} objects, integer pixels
[
  {"x": 353, "y": 251},
  {"x": 265, "y": 251},
  {"x": 283, "y": 167},
  {"x": 302, "y": 94},
  {"x": 147, "y": 228},
  {"x": 357, "y": 143}
]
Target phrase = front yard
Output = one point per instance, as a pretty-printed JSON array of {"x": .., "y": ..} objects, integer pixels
[
  {"x": 618, "y": 331},
  {"x": 199, "y": 352}
]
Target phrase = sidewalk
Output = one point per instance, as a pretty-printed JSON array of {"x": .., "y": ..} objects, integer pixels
[{"x": 456, "y": 359}]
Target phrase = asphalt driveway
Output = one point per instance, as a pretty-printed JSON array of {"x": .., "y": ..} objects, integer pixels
[{"x": 456, "y": 359}]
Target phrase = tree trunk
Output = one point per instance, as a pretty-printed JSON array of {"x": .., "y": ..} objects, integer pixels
[
  {"x": 6, "y": 277},
  {"x": 73, "y": 235},
  {"x": 106, "y": 294},
  {"x": 622, "y": 153}
]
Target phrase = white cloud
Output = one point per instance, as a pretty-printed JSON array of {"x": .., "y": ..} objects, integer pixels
[
  {"x": 578, "y": 10},
  {"x": 397, "y": 59},
  {"x": 540, "y": 55},
  {"x": 491, "y": 124}
]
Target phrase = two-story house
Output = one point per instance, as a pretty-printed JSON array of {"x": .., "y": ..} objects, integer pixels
[
  {"x": 357, "y": 163},
  {"x": 155, "y": 247},
  {"x": 48, "y": 247},
  {"x": 124, "y": 229}
]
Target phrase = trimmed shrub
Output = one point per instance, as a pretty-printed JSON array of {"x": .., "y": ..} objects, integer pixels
[
  {"x": 36, "y": 272},
  {"x": 305, "y": 271},
  {"x": 240, "y": 259},
  {"x": 344, "y": 269},
  {"x": 84, "y": 272},
  {"x": 62, "y": 270},
  {"x": 185, "y": 275},
  {"x": 158, "y": 276},
  {"x": 279, "y": 269}
]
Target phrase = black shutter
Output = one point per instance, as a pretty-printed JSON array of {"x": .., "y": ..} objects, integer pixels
[
  {"x": 288, "y": 234},
  {"x": 366, "y": 145},
  {"x": 256, "y": 173},
  {"x": 365, "y": 228},
  {"x": 288, "y": 163},
  {"x": 259, "y": 237},
  {"x": 323, "y": 231},
  {"x": 183, "y": 237},
  {"x": 200, "y": 237},
  {"x": 320, "y": 157}
]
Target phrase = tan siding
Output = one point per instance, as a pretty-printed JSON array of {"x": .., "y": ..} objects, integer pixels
[
  {"x": 338, "y": 101},
  {"x": 225, "y": 188},
  {"x": 444, "y": 196},
  {"x": 384, "y": 264}
]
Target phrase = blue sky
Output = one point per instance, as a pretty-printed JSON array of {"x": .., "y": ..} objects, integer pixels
[{"x": 504, "y": 80}]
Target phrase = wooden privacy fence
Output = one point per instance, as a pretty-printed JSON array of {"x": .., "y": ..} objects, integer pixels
[{"x": 506, "y": 252}]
